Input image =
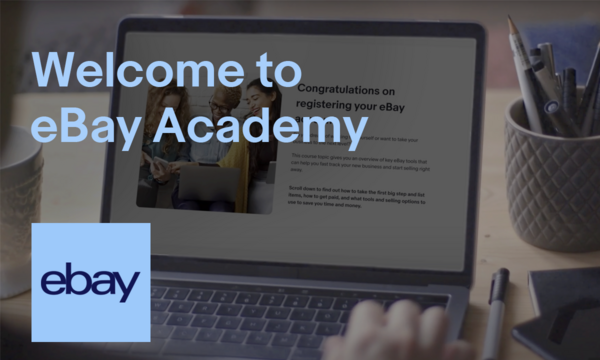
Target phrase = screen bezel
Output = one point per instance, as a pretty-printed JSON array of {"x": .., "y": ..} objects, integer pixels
[{"x": 164, "y": 262}]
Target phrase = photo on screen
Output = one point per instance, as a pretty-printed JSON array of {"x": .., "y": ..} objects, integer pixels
[{"x": 211, "y": 176}]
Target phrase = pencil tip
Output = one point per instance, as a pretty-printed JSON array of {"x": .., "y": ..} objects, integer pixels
[{"x": 511, "y": 26}]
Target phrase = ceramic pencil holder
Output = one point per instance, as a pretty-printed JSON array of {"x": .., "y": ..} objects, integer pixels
[{"x": 553, "y": 186}]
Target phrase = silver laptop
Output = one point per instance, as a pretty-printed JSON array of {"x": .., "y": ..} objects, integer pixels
[
  {"x": 394, "y": 219},
  {"x": 208, "y": 183}
]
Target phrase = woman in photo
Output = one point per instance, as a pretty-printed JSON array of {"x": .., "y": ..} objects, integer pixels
[
  {"x": 153, "y": 171},
  {"x": 254, "y": 194}
]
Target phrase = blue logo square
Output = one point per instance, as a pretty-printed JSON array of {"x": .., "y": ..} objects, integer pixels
[{"x": 105, "y": 301}]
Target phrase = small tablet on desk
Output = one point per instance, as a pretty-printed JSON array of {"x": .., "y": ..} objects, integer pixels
[
  {"x": 162, "y": 161},
  {"x": 569, "y": 333}
]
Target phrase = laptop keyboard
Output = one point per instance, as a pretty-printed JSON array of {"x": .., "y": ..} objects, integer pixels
[{"x": 255, "y": 322}]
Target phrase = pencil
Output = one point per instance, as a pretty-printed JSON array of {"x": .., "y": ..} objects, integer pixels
[{"x": 531, "y": 97}]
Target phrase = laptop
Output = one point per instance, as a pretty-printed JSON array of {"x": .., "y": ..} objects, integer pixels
[
  {"x": 208, "y": 183},
  {"x": 395, "y": 219}
]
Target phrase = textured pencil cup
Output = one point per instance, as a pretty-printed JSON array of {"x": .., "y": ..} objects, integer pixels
[
  {"x": 553, "y": 186},
  {"x": 20, "y": 198}
]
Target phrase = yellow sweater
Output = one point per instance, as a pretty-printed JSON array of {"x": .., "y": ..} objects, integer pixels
[{"x": 239, "y": 157}]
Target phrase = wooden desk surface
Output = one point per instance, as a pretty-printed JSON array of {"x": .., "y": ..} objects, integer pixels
[{"x": 75, "y": 197}]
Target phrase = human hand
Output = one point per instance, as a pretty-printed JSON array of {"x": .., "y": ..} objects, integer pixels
[
  {"x": 145, "y": 159},
  {"x": 175, "y": 166},
  {"x": 403, "y": 333},
  {"x": 159, "y": 171}
]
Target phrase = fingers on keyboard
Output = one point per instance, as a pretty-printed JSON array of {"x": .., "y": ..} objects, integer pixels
[{"x": 250, "y": 324}]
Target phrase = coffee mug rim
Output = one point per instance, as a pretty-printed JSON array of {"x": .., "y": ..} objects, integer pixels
[
  {"x": 508, "y": 117},
  {"x": 18, "y": 172},
  {"x": 32, "y": 155}
]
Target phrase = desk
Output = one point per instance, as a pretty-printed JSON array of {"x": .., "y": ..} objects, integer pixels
[{"x": 75, "y": 197}]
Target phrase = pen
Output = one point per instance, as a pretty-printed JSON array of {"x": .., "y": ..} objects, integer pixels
[
  {"x": 595, "y": 130},
  {"x": 559, "y": 80},
  {"x": 535, "y": 55},
  {"x": 547, "y": 55},
  {"x": 584, "y": 113},
  {"x": 547, "y": 80},
  {"x": 553, "y": 106},
  {"x": 494, "y": 326},
  {"x": 569, "y": 93}
]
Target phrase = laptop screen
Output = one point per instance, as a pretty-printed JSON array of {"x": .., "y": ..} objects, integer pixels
[{"x": 398, "y": 201}]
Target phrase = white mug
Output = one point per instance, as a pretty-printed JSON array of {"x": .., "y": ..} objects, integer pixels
[{"x": 21, "y": 165}]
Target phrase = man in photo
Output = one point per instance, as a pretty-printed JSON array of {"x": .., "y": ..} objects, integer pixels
[{"x": 222, "y": 102}]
